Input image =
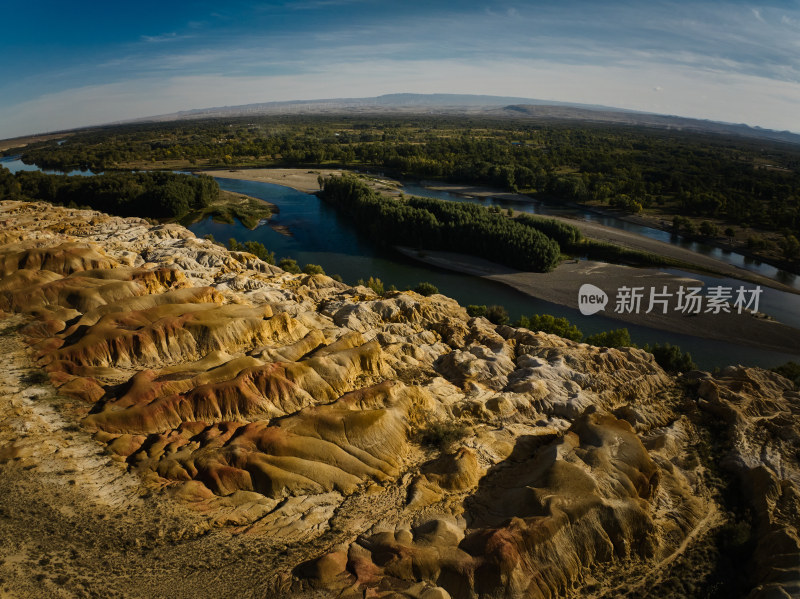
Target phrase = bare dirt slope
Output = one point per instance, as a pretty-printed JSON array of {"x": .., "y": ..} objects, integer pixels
[{"x": 180, "y": 420}]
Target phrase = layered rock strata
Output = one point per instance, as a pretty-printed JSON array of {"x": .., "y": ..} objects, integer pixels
[{"x": 403, "y": 448}]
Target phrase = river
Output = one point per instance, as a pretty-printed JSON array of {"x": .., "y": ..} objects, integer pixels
[
  {"x": 541, "y": 208},
  {"x": 320, "y": 235}
]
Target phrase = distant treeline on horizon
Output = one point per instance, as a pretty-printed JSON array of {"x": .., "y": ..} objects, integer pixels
[{"x": 745, "y": 182}]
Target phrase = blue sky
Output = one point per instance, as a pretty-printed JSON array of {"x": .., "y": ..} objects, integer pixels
[{"x": 80, "y": 63}]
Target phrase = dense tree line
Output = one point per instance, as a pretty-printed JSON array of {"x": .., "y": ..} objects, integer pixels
[
  {"x": 567, "y": 236},
  {"x": 743, "y": 181},
  {"x": 146, "y": 194},
  {"x": 442, "y": 225}
]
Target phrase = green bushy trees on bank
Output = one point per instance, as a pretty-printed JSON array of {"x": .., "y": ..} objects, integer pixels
[
  {"x": 442, "y": 225},
  {"x": 145, "y": 194}
]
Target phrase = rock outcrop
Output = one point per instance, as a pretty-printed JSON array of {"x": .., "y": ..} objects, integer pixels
[{"x": 402, "y": 448}]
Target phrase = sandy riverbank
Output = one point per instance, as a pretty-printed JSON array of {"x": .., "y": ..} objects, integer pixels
[
  {"x": 21, "y": 142},
  {"x": 304, "y": 180},
  {"x": 561, "y": 287}
]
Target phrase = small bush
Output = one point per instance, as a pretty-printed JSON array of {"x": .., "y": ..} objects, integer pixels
[
  {"x": 615, "y": 338},
  {"x": 497, "y": 314},
  {"x": 376, "y": 285},
  {"x": 442, "y": 434},
  {"x": 550, "y": 324},
  {"x": 289, "y": 265},
  {"x": 257, "y": 249},
  {"x": 671, "y": 358},
  {"x": 313, "y": 269},
  {"x": 12, "y": 328},
  {"x": 35, "y": 377},
  {"x": 735, "y": 534},
  {"x": 756, "y": 242},
  {"x": 373, "y": 283},
  {"x": 790, "y": 247},
  {"x": 475, "y": 311},
  {"x": 708, "y": 229},
  {"x": 337, "y": 278},
  {"x": 426, "y": 289},
  {"x": 791, "y": 370},
  {"x": 210, "y": 237}
]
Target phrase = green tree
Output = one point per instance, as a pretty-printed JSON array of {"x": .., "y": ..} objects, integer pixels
[
  {"x": 289, "y": 265},
  {"x": 791, "y": 370},
  {"x": 9, "y": 186},
  {"x": 615, "y": 338},
  {"x": 497, "y": 314},
  {"x": 475, "y": 310},
  {"x": 671, "y": 358},
  {"x": 376, "y": 285},
  {"x": 313, "y": 269},
  {"x": 257, "y": 249},
  {"x": 547, "y": 323},
  {"x": 426, "y": 289},
  {"x": 689, "y": 228},
  {"x": 756, "y": 242},
  {"x": 790, "y": 247},
  {"x": 708, "y": 229}
]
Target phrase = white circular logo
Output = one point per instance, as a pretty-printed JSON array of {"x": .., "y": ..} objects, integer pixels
[{"x": 591, "y": 299}]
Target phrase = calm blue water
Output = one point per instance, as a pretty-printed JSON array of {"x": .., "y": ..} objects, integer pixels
[
  {"x": 322, "y": 236},
  {"x": 14, "y": 164}
]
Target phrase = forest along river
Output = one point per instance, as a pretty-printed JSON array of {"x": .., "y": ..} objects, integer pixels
[{"x": 320, "y": 235}]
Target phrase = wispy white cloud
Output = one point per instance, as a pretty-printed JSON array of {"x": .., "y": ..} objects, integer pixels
[
  {"x": 656, "y": 56},
  {"x": 315, "y": 4},
  {"x": 787, "y": 20},
  {"x": 166, "y": 37},
  {"x": 713, "y": 95}
]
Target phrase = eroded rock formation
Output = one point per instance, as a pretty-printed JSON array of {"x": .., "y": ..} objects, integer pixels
[{"x": 401, "y": 448}]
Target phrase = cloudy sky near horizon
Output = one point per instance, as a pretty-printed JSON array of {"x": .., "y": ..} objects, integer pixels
[{"x": 80, "y": 63}]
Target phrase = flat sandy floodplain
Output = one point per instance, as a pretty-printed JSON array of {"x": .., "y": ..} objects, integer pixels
[
  {"x": 561, "y": 286},
  {"x": 297, "y": 178}
]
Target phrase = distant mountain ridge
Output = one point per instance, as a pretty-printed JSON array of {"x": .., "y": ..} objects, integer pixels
[
  {"x": 495, "y": 106},
  {"x": 401, "y": 101}
]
